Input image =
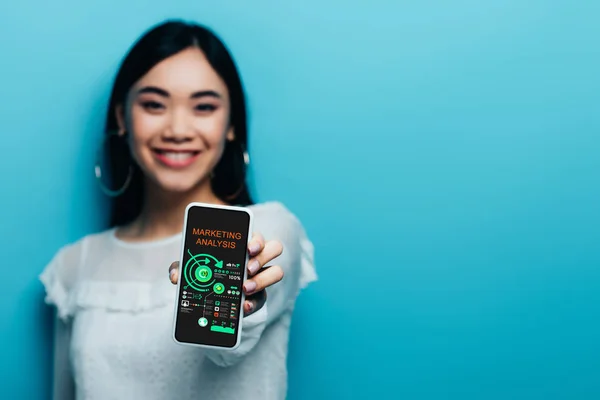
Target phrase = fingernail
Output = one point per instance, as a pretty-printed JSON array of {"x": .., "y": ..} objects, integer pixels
[
  {"x": 249, "y": 286},
  {"x": 171, "y": 273},
  {"x": 253, "y": 266},
  {"x": 254, "y": 247},
  {"x": 250, "y": 307}
]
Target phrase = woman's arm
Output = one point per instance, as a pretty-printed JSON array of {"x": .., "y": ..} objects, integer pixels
[
  {"x": 297, "y": 264},
  {"x": 63, "y": 387},
  {"x": 58, "y": 277}
]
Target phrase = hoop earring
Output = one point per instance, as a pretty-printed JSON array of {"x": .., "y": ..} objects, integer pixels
[
  {"x": 246, "y": 163},
  {"x": 98, "y": 172}
]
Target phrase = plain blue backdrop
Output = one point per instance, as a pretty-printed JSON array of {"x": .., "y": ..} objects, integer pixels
[{"x": 443, "y": 157}]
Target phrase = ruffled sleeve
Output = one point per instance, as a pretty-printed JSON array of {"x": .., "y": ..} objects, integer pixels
[
  {"x": 58, "y": 277},
  {"x": 297, "y": 262}
]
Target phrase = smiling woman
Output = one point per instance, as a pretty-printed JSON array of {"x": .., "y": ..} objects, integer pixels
[
  {"x": 153, "y": 102},
  {"x": 166, "y": 93},
  {"x": 177, "y": 131},
  {"x": 165, "y": 109}
]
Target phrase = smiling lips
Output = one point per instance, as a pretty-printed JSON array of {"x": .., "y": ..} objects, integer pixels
[{"x": 176, "y": 158}]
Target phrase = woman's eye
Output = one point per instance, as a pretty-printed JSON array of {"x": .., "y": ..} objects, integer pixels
[
  {"x": 152, "y": 105},
  {"x": 205, "y": 107}
]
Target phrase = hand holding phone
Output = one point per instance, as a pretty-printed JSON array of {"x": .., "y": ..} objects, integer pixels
[{"x": 213, "y": 268}]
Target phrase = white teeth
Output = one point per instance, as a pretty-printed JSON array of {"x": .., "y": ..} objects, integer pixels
[{"x": 178, "y": 156}]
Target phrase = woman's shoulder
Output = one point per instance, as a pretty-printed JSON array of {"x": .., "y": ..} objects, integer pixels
[
  {"x": 274, "y": 211},
  {"x": 60, "y": 274},
  {"x": 76, "y": 249},
  {"x": 69, "y": 257},
  {"x": 275, "y": 219}
]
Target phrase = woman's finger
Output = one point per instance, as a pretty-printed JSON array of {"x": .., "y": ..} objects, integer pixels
[
  {"x": 255, "y": 302},
  {"x": 265, "y": 278},
  {"x": 271, "y": 250},
  {"x": 256, "y": 245},
  {"x": 174, "y": 272}
]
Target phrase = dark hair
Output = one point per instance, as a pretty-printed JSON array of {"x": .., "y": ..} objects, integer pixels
[{"x": 157, "y": 44}]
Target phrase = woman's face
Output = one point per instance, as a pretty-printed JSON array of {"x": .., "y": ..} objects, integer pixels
[{"x": 177, "y": 116}]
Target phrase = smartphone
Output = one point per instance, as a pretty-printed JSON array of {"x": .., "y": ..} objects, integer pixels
[{"x": 212, "y": 269}]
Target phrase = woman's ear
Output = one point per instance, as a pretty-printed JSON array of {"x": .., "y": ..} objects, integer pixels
[
  {"x": 230, "y": 134},
  {"x": 120, "y": 117}
]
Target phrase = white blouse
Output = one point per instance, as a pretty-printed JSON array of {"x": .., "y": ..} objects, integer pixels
[{"x": 115, "y": 313}]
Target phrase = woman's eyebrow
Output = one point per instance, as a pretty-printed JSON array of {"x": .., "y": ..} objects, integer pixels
[
  {"x": 153, "y": 89},
  {"x": 205, "y": 93},
  {"x": 164, "y": 93}
]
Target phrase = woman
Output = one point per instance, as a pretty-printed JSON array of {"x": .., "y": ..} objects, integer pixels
[{"x": 176, "y": 133}]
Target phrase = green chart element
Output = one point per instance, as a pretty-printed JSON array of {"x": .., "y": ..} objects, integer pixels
[
  {"x": 219, "y": 288},
  {"x": 222, "y": 329},
  {"x": 197, "y": 271},
  {"x": 203, "y": 274}
]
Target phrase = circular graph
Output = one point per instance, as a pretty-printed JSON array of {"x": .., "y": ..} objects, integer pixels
[
  {"x": 198, "y": 272},
  {"x": 203, "y": 274}
]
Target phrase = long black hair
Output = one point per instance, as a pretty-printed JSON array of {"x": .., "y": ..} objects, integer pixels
[{"x": 158, "y": 43}]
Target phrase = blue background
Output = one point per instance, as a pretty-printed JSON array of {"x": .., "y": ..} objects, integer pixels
[{"x": 443, "y": 157}]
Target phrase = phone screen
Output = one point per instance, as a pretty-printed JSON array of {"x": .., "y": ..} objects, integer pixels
[{"x": 209, "y": 304}]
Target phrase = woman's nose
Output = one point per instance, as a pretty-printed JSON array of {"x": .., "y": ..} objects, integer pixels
[{"x": 180, "y": 126}]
